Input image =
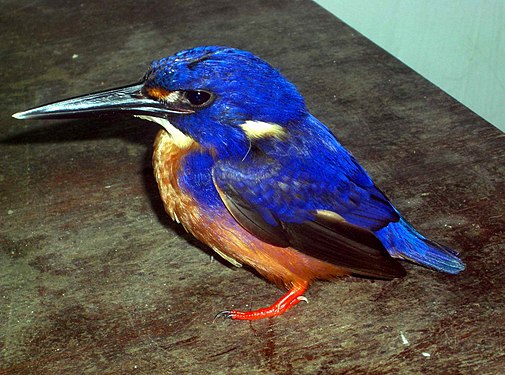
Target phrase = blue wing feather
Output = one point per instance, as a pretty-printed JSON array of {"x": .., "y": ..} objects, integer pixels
[
  {"x": 292, "y": 177},
  {"x": 284, "y": 182}
]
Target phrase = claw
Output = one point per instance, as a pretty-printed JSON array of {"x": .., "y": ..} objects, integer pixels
[
  {"x": 225, "y": 314},
  {"x": 303, "y": 298}
]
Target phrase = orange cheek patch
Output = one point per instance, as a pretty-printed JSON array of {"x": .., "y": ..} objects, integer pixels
[{"x": 158, "y": 92}]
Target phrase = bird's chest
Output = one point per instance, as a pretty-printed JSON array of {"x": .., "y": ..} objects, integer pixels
[{"x": 184, "y": 179}]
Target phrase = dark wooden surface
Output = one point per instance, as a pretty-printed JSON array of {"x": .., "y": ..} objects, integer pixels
[{"x": 95, "y": 279}]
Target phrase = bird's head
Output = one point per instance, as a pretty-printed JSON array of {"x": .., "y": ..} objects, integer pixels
[{"x": 220, "y": 97}]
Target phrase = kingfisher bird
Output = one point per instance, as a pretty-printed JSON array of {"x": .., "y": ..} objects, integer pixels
[{"x": 242, "y": 164}]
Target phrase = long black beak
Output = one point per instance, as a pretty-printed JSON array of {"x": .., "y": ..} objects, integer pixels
[{"x": 127, "y": 99}]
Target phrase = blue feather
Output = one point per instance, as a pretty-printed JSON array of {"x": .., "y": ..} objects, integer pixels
[
  {"x": 403, "y": 241},
  {"x": 283, "y": 179}
]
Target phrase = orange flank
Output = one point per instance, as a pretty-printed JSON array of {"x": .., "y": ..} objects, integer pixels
[{"x": 283, "y": 266}]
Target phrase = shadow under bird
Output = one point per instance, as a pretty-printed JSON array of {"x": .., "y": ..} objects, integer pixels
[{"x": 243, "y": 166}]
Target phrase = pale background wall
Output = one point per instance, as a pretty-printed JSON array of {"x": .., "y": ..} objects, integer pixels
[{"x": 459, "y": 45}]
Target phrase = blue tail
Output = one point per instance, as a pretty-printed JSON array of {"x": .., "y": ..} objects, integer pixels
[{"x": 403, "y": 241}]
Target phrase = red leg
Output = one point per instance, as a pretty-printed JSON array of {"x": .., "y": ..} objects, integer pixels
[{"x": 291, "y": 298}]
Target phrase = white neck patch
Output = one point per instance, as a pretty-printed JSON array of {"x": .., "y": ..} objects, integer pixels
[
  {"x": 180, "y": 139},
  {"x": 260, "y": 129}
]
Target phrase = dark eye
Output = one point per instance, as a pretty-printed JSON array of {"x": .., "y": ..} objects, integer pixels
[{"x": 198, "y": 98}]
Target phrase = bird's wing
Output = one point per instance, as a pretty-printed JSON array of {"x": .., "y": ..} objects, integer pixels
[{"x": 281, "y": 207}]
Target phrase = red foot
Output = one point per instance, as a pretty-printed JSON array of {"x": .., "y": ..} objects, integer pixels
[{"x": 291, "y": 298}]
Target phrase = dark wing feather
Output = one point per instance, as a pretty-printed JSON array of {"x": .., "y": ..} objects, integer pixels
[
  {"x": 345, "y": 245},
  {"x": 323, "y": 234},
  {"x": 252, "y": 220}
]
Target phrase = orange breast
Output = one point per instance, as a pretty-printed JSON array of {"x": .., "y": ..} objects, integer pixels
[{"x": 219, "y": 230}]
